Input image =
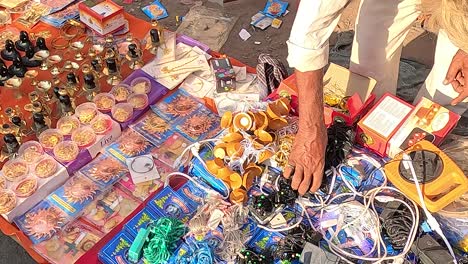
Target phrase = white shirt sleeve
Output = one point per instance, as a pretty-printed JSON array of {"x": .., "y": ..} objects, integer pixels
[{"x": 314, "y": 23}]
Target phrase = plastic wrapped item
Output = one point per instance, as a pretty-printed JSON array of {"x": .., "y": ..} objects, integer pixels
[
  {"x": 67, "y": 124},
  {"x": 75, "y": 195},
  {"x": 152, "y": 127},
  {"x": 15, "y": 170},
  {"x": 141, "y": 85},
  {"x": 66, "y": 151},
  {"x": 86, "y": 112},
  {"x": 122, "y": 112},
  {"x": 121, "y": 92},
  {"x": 176, "y": 106},
  {"x": 128, "y": 145},
  {"x": 84, "y": 136},
  {"x": 50, "y": 138},
  {"x": 141, "y": 190},
  {"x": 170, "y": 150},
  {"x": 456, "y": 147},
  {"x": 104, "y": 101},
  {"x": 31, "y": 151},
  {"x": 101, "y": 124},
  {"x": 155, "y": 10},
  {"x": 42, "y": 222},
  {"x": 454, "y": 222},
  {"x": 70, "y": 244},
  {"x": 107, "y": 212},
  {"x": 105, "y": 170},
  {"x": 207, "y": 25}
]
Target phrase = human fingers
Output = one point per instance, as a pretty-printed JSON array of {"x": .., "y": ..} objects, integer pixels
[
  {"x": 317, "y": 177},
  {"x": 298, "y": 176},
  {"x": 306, "y": 180},
  {"x": 454, "y": 68},
  {"x": 461, "y": 79},
  {"x": 289, "y": 169},
  {"x": 460, "y": 97},
  {"x": 456, "y": 85}
]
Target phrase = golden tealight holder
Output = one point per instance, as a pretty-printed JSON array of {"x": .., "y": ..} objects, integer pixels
[
  {"x": 42, "y": 56},
  {"x": 77, "y": 46},
  {"x": 14, "y": 84}
]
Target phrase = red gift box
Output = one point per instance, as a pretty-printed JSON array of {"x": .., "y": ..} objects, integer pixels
[
  {"x": 393, "y": 125},
  {"x": 105, "y": 17}
]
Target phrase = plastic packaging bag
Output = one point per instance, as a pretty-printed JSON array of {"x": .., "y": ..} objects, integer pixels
[{"x": 208, "y": 25}]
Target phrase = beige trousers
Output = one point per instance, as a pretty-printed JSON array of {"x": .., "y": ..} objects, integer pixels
[{"x": 381, "y": 27}]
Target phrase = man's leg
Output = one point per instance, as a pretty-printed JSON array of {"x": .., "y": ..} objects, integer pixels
[
  {"x": 381, "y": 28},
  {"x": 434, "y": 88}
]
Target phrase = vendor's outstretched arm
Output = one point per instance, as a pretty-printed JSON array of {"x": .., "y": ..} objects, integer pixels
[
  {"x": 308, "y": 153},
  {"x": 308, "y": 53}
]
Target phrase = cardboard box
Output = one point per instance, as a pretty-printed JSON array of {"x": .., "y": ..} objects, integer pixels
[
  {"x": 392, "y": 125},
  {"x": 429, "y": 121},
  {"x": 344, "y": 83},
  {"x": 380, "y": 124},
  {"x": 102, "y": 16}
]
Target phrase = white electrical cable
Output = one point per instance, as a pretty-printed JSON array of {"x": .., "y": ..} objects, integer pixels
[
  {"x": 408, "y": 164},
  {"x": 209, "y": 191},
  {"x": 195, "y": 147},
  {"x": 372, "y": 195}
]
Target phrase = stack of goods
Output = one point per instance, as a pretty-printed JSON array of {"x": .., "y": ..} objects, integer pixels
[{"x": 180, "y": 160}]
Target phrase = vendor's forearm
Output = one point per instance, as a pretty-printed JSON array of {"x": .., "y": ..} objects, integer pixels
[{"x": 310, "y": 89}]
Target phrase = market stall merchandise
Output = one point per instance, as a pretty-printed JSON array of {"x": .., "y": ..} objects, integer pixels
[{"x": 129, "y": 143}]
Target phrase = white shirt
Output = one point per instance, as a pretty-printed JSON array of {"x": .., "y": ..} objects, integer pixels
[{"x": 308, "y": 43}]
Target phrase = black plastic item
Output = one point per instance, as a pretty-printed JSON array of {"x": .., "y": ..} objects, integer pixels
[
  {"x": 39, "y": 119},
  {"x": 16, "y": 120},
  {"x": 340, "y": 141},
  {"x": 396, "y": 222},
  {"x": 28, "y": 60},
  {"x": 428, "y": 166},
  {"x": 4, "y": 74},
  {"x": 23, "y": 43},
  {"x": 154, "y": 33},
  {"x": 96, "y": 65},
  {"x": 71, "y": 78},
  {"x": 89, "y": 81},
  {"x": 286, "y": 195},
  {"x": 66, "y": 103},
  {"x": 111, "y": 65},
  {"x": 41, "y": 44},
  {"x": 57, "y": 92},
  {"x": 9, "y": 53},
  {"x": 430, "y": 251},
  {"x": 17, "y": 68},
  {"x": 248, "y": 256},
  {"x": 132, "y": 51}
]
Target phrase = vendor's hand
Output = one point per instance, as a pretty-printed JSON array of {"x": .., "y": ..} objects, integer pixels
[
  {"x": 456, "y": 76},
  {"x": 307, "y": 159}
]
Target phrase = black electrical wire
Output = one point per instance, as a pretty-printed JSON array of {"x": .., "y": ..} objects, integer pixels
[
  {"x": 398, "y": 228},
  {"x": 340, "y": 142}
]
